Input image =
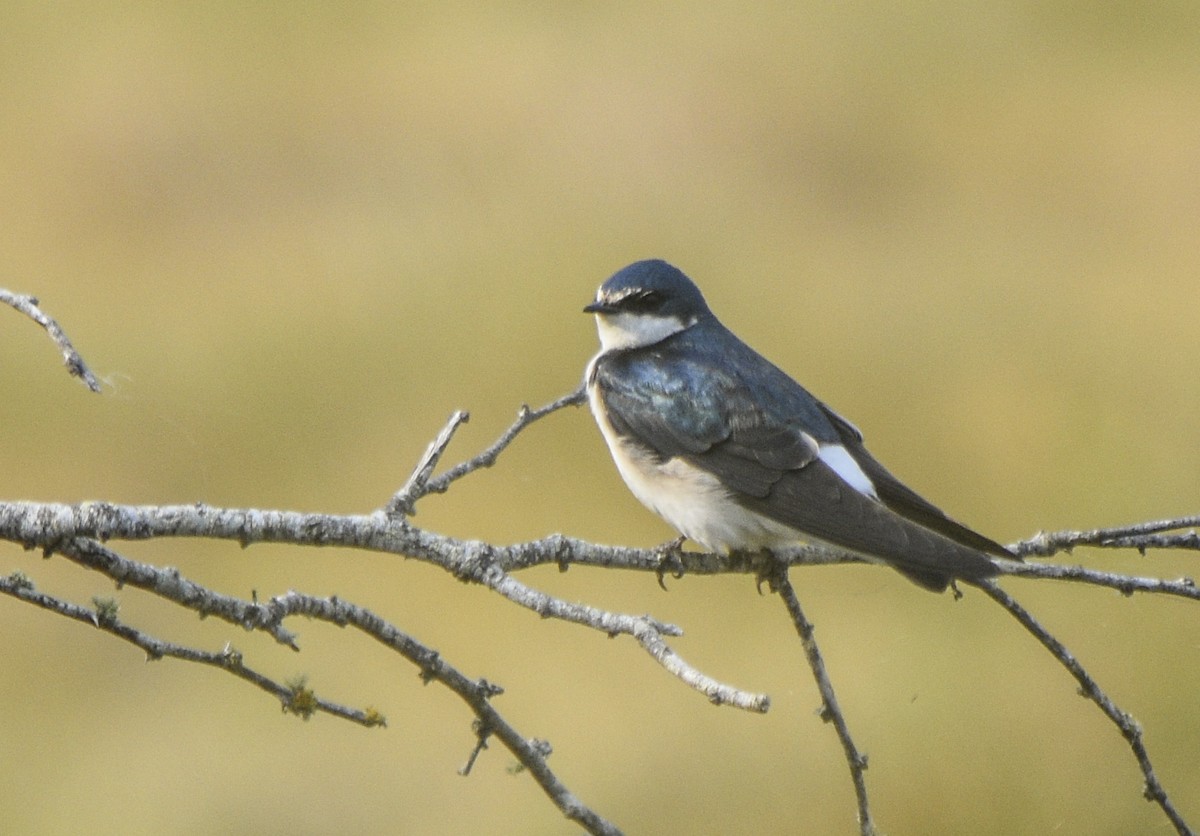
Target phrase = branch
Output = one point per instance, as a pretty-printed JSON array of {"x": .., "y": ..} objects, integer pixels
[
  {"x": 420, "y": 485},
  {"x": 295, "y": 697},
  {"x": 1141, "y": 536},
  {"x": 28, "y": 305},
  {"x": 525, "y": 417},
  {"x": 1089, "y": 688},
  {"x": 531, "y": 753},
  {"x": 67, "y": 528},
  {"x": 831, "y": 712},
  {"x": 169, "y": 584},
  {"x": 1125, "y": 584},
  {"x": 79, "y": 531}
]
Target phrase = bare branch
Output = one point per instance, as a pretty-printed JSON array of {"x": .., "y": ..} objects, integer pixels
[
  {"x": 28, "y": 305},
  {"x": 168, "y": 583},
  {"x": 402, "y": 503},
  {"x": 567, "y": 551},
  {"x": 1138, "y": 536},
  {"x": 74, "y": 529},
  {"x": 1089, "y": 688},
  {"x": 77, "y": 531},
  {"x": 525, "y": 417},
  {"x": 1125, "y": 584},
  {"x": 480, "y": 565},
  {"x": 718, "y": 693},
  {"x": 831, "y": 712},
  {"x": 531, "y": 753},
  {"x": 295, "y": 698}
]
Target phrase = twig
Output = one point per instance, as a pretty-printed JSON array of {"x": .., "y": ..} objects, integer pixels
[
  {"x": 831, "y": 712},
  {"x": 1136, "y": 536},
  {"x": 482, "y": 733},
  {"x": 1188, "y": 540},
  {"x": 525, "y": 417},
  {"x": 294, "y": 698},
  {"x": 297, "y": 698},
  {"x": 1125, "y": 584},
  {"x": 531, "y": 753},
  {"x": 1089, "y": 688},
  {"x": 28, "y": 305},
  {"x": 476, "y": 562},
  {"x": 402, "y": 503},
  {"x": 168, "y": 583},
  {"x": 718, "y": 693}
]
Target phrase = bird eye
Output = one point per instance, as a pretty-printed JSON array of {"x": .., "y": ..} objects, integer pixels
[{"x": 649, "y": 300}]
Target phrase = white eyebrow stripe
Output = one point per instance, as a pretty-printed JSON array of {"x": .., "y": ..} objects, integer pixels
[{"x": 840, "y": 461}]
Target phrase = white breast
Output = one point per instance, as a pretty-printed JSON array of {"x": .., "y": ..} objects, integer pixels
[{"x": 692, "y": 500}]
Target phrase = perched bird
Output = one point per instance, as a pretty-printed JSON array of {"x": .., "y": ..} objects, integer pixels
[{"x": 736, "y": 455}]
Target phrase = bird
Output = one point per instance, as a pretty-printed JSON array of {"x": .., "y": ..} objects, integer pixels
[{"x": 740, "y": 458}]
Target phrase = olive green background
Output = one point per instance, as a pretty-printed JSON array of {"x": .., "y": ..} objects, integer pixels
[{"x": 293, "y": 238}]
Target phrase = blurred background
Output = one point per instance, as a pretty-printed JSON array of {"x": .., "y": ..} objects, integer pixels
[{"x": 293, "y": 238}]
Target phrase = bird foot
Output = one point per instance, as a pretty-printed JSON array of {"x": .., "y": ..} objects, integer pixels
[
  {"x": 670, "y": 560},
  {"x": 769, "y": 570}
]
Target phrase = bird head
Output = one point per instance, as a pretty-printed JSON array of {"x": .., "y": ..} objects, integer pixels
[{"x": 645, "y": 303}]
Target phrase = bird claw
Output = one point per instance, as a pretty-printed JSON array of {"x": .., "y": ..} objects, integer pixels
[
  {"x": 770, "y": 570},
  {"x": 670, "y": 559}
]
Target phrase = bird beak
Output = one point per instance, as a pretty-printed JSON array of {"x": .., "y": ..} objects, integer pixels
[{"x": 599, "y": 307}]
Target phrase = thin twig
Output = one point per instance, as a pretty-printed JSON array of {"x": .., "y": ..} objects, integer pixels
[
  {"x": 476, "y": 563},
  {"x": 530, "y": 752},
  {"x": 831, "y": 712},
  {"x": 525, "y": 417},
  {"x": 1188, "y": 540},
  {"x": 1045, "y": 544},
  {"x": 294, "y": 698},
  {"x": 718, "y": 693},
  {"x": 297, "y": 698},
  {"x": 1089, "y": 688},
  {"x": 169, "y": 584},
  {"x": 402, "y": 503},
  {"x": 482, "y": 734},
  {"x": 1125, "y": 584},
  {"x": 28, "y": 305}
]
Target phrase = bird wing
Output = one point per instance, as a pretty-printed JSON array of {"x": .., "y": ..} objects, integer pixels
[
  {"x": 903, "y": 500},
  {"x": 763, "y": 439}
]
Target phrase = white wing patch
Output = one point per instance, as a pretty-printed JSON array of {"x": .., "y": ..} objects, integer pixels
[{"x": 843, "y": 464}]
